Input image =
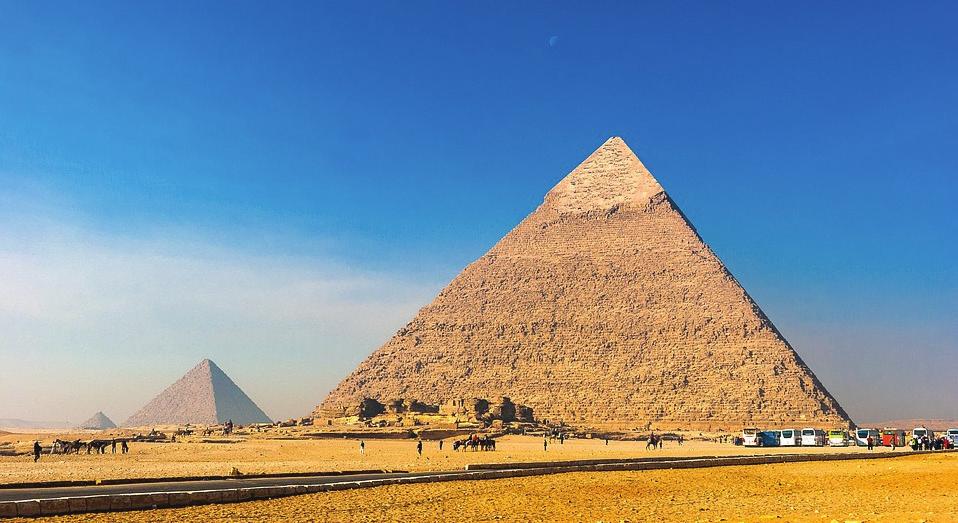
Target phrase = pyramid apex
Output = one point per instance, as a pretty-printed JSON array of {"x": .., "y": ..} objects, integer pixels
[
  {"x": 206, "y": 363},
  {"x": 611, "y": 176}
]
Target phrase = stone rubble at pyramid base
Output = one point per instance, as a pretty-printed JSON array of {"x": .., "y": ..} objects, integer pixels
[
  {"x": 477, "y": 412},
  {"x": 481, "y": 413}
]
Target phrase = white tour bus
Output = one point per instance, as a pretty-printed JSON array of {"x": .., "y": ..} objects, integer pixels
[
  {"x": 813, "y": 437},
  {"x": 953, "y": 436},
  {"x": 861, "y": 437},
  {"x": 790, "y": 438},
  {"x": 751, "y": 437}
]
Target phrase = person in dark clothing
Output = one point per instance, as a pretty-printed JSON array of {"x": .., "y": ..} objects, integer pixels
[
  {"x": 545, "y": 443},
  {"x": 362, "y": 447},
  {"x": 36, "y": 451},
  {"x": 440, "y": 444},
  {"x": 419, "y": 447},
  {"x": 871, "y": 443},
  {"x": 113, "y": 446},
  {"x": 124, "y": 448}
]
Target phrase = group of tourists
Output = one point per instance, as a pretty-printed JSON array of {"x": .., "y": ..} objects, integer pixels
[
  {"x": 926, "y": 443},
  {"x": 473, "y": 442}
]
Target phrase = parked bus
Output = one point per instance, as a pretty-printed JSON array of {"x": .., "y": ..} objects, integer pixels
[
  {"x": 862, "y": 435},
  {"x": 837, "y": 438},
  {"x": 894, "y": 437},
  {"x": 790, "y": 438},
  {"x": 770, "y": 438},
  {"x": 752, "y": 437},
  {"x": 813, "y": 437},
  {"x": 953, "y": 436}
]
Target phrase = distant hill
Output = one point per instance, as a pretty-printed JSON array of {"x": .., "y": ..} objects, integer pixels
[
  {"x": 21, "y": 424},
  {"x": 908, "y": 424}
]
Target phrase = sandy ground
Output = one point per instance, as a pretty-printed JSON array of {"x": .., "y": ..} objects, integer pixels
[
  {"x": 257, "y": 455},
  {"x": 874, "y": 490}
]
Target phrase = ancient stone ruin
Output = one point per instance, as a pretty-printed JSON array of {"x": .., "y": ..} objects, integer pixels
[
  {"x": 205, "y": 395},
  {"x": 462, "y": 410},
  {"x": 602, "y": 308}
]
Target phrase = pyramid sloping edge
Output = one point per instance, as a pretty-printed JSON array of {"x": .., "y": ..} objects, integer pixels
[
  {"x": 205, "y": 395},
  {"x": 98, "y": 421},
  {"x": 759, "y": 376}
]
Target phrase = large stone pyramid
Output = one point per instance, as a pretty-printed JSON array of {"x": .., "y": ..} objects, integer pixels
[
  {"x": 205, "y": 395},
  {"x": 602, "y": 308},
  {"x": 98, "y": 421}
]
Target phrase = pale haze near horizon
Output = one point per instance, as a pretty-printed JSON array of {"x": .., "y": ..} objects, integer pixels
[{"x": 100, "y": 322}]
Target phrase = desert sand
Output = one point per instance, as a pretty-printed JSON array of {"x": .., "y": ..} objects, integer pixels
[
  {"x": 258, "y": 455},
  {"x": 914, "y": 488}
]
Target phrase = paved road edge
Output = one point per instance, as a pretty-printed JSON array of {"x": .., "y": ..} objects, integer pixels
[{"x": 152, "y": 500}]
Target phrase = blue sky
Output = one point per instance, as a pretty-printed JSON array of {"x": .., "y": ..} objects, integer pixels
[{"x": 152, "y": 156}]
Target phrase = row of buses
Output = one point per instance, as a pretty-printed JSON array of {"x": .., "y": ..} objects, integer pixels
[{"x": 810, "y": 437}]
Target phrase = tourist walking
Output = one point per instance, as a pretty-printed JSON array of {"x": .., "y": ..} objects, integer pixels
[
  {"x": 871, "y": 443},
  {"x": 440, "y": 444},
  {"x": 124, "y": 448},
  {"x": 362, "y": 447},
  {"x": 36, "y": 451},
  {"x": 545, "y": 443},
  {"x": 419, "y": 447},
  {"x": 113, "y": 444}
]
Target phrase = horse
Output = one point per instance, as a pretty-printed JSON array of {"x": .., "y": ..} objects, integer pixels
[
  {"x": 61, "y": 447},
  {"x": 653, "y": 442},
  {"x": 98, "y": 446},
  {"x": 487, "y": 443}
]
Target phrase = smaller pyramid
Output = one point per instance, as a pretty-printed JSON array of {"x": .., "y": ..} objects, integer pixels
[
  {"x": 205, "y": 395},
  {"x": 98, "y": 421}
]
